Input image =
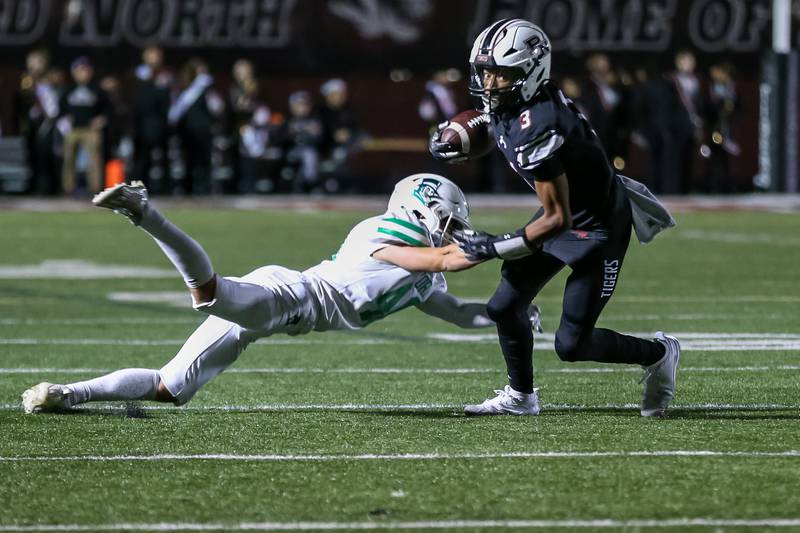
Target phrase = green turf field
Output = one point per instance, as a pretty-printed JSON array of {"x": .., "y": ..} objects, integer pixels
[{"x": 363, "y": 430}]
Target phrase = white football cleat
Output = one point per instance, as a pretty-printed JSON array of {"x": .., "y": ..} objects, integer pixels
[
  {"x": 126, "y": 199},
  {"x": 46, "y": 397},
  {"x": 659, "y": 378},
  {"x": 507, "y": 402}
]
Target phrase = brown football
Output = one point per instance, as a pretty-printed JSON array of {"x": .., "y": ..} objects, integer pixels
[{"x": 469, "y": 133}]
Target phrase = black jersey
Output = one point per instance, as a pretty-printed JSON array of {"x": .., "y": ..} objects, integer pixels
[{"x": 548, "y": 137}]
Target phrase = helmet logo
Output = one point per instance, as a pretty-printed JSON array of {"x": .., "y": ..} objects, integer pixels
[{"x": 427, "y": 191}]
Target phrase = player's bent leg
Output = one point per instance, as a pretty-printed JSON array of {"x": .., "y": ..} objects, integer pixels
[
  {"x": 270, "y": 299},
  {"x": 212, "y": 348},
  {"x": 659, "y": 378},
  {"x": 184, "y": 253}
]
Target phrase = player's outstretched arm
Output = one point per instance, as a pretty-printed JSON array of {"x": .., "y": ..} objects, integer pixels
[
  {"x": 425, "y": 259},
  {"x": 463, "y": 314},
  {"x": 469, "y": 315}
]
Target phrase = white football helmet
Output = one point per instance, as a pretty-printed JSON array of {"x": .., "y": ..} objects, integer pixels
[
  {"x": 514, "y": 44},
  {"x": 438, "y": 203}
]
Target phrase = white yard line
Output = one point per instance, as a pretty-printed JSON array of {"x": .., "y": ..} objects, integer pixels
[
  {"x": 90, "y": 321},
  {"x": 401, "y": 456},
  {"x": 738, "y": 238},
  {"x": 690, "y": 341},
  {"x": 418, "y": 407},
  {"x": 446, "y": 371},
  {"x": 96, "y": 321},
  {"x": 414, "y": 525}
]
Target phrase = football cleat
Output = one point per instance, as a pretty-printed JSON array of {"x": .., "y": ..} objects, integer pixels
[
  {"x": 507, "y": 402},
  {"x": 46, "y": 397},
  {"x": 659, "y": 378},
  {"x": 126, "y": 199}
]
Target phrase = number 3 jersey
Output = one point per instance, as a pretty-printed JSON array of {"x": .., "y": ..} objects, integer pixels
[
  {"x": 549, "y": 136},
  {"x": 354, "y": 289}
]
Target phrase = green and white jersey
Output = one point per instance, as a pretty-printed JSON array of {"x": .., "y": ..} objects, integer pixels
[{"x": 354, "y": 289}]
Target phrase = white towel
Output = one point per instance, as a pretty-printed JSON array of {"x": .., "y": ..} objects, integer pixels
[{"x": 650, "y": 217}]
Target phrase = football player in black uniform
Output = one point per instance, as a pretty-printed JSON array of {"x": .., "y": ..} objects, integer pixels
[{"x": 584, "y": 222}]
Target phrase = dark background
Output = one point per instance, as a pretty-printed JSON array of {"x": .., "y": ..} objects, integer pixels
[{"x": 299, "y": 43}]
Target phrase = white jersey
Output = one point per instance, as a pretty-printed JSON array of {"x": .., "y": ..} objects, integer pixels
[{"x": 354, "y": 289}]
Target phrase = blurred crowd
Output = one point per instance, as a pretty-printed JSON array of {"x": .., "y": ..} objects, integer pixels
[
  {"x": 185, "y": 132},
  {"x": 179, "y": 132},
  {"x": 682, "y": 123}
]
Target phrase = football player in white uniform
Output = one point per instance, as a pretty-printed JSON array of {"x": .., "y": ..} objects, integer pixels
[{"x": 386, "y": 263}]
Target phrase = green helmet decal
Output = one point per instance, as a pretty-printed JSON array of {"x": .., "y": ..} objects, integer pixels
[{"x": 427, "y": 190}]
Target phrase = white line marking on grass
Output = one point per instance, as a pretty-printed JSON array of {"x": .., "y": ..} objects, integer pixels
[
  {"x": 80, "y": 269},
  {"x": 180, "y": 342},
  {"x": 690, "y": 341},
  {"x": 403, "y": 456},
  {"x": 412, "y": 525},
  {"x": 418, "y": 407},
  {"x": 95, "y": 321},
  {"x": 739, "y": 238},
  {"x": 445, "y": 371}
]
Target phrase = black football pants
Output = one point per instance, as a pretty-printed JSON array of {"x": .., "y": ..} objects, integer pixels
[{"x": 588, "y": 289}]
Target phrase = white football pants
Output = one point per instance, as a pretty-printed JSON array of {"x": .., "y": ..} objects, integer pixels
[{"x": 266, "y": 301}]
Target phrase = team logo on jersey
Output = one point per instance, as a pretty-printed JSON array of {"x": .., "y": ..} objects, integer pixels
[{"x": 427, "y": 190}]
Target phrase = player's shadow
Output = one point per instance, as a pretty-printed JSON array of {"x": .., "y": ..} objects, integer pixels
[
  {"x": 742, "y": 415},
  {"x": 400, "y": 413},
  {"x": 710, "y": 413},
  {"x": 130, "y": 410}
]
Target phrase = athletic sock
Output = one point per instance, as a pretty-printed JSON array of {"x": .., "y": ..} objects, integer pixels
[
  {"x": 608, "y": 346},
  {"x": 126, "y": 384},
  {"x": 184, "y": 252}
]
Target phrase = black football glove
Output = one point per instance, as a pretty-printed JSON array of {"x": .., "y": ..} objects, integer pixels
[
  {"x": 480, "y": 246},
  {"x": 444, "y": 151}
]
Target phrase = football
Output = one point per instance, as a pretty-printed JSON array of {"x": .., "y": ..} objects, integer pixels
[{"x": 469, "y": 133}]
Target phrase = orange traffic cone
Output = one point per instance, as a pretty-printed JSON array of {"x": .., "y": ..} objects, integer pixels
[{"x": 115, "y": 172}]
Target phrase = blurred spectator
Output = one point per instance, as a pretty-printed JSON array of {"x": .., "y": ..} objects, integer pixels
[
  {"x": 84, "y": 114},
  {"x": 723, "y": 105},
  {"x": 243, "y": 93},
  {"x": 243, "y": 101},
  {"x": 439, "y": 103},
  {"x": 117, "y": 117},
  {"x": 260, "y": 151},
  {"x": 150, "y": 105},
  {"x": 340, "y": 134},
  {"x": 304, "y": 135},
  {"x": 602, "y": 102},
  {"x": 652, "y": 95},
  {"x": 573, "y": 90},
  {"x": 686, "y": 124},
  {"x": 194, "y": 114},
  {"x": 36, "y": 110}
]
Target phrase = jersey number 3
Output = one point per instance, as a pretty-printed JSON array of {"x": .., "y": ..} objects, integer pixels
[{"x": 525, "y": 120}]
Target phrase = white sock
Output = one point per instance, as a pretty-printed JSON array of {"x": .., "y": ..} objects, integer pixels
[
  {"x": 126, "y": 384},
  {"x": 184, "y": 252}
]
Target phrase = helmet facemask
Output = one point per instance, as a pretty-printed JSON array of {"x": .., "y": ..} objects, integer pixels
[
  {"x": 517, "y": 48},
  {"x": 436, "y": 202},
  {"x": 497, "y": 99},
  {"x": 449, "y": 226}
]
